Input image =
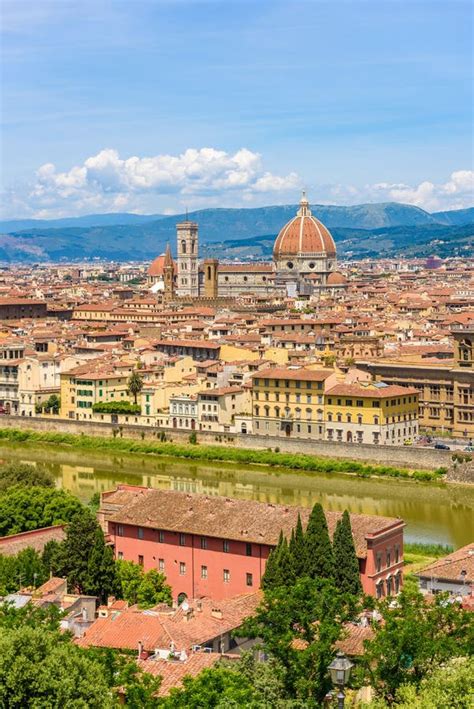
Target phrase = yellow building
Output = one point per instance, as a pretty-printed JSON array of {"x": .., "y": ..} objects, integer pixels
[
  {"x": 289, "y": 402},
  {"x": 374, "y": 413},
  {"x": 91, "y": 383}
]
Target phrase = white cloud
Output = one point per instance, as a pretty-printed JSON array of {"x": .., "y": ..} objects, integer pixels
[
  {"x": 205, "y": 177},
  {"x": 107, "y": 181}
]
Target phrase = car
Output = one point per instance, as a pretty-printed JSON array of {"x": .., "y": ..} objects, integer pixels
[{"x": 442, "y": 447}]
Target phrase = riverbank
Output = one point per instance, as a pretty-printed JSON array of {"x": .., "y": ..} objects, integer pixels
[{"x": 200, "y": 452}]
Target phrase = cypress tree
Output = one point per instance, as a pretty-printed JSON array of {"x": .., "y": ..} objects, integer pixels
[
  {"x": 297, "y": 551},
  {"x": 101, "y": 572},
  {"x": 271, "y": 577},
  {"x": 285, "y": 565},
  {"x": 346, "y": 572},
  {"x": 318, "y": 549}
]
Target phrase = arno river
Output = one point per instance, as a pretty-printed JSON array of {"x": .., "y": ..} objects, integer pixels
[{"x": 433, "y": 513}]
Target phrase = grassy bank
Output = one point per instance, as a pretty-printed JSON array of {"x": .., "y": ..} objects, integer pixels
[
  {"x": 304, "y": 462},
  {"x": 417, "y": 555}
]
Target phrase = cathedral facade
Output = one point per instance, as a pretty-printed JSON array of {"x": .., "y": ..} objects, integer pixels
[{"x": 304, "y": 262}]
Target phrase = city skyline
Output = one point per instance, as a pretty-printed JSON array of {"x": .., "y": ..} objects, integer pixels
[{"x": 160, "y": 106}]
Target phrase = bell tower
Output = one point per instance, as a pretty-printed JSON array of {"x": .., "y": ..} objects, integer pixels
[
  {"x": 168, "y": 275},
  {"x": 188, "y": 275}
]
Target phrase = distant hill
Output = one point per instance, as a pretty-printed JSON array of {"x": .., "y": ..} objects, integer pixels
[
  {"x": 369, "y": 229},
  {"x": 87, "y": 221}
]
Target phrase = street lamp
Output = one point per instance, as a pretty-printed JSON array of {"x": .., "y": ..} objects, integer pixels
[{"x": 340, "y": 669}]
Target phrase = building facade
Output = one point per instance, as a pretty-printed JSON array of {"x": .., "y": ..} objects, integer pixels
[
  {"x": 187, "y": 247},
  {"x": 218, "y": 547}
]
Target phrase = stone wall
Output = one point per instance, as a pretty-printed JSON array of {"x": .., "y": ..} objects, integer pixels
[{"x": 405, "y": 456}]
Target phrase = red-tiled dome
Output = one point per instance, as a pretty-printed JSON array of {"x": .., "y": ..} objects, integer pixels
[
  {"x": 157, "y": 266},
  {"x": 336, "y": 279},
  {"x": 304, "y": 235}
]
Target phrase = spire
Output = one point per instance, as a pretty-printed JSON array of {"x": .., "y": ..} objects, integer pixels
[
  {"x": 304, "y": 210},
  {"x": 168, "y": 258}
]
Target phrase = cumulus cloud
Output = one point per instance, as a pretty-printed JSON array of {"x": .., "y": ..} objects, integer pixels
[
  {"x": 107, "y": 181},
  {"x": 456, "y": 193}
]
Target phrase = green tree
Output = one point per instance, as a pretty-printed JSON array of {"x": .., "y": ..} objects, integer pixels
[
  {"x": 153, "y": 590},
  {"x": 346, "y": 564},
  {"x": 135, "y": 384},
  {"x": 129, "y": 576},
  {"x": 101, "y": 573},
  {"x": 23, "y": 509},
  {"x": 51, "y": 557},
  {"x": 297, "y": 551},
  {"x": 298, "y": 627},
  {"x": 415, "y": 636},
  {"x": 272, "y": 576},
  {"x": 214, "y": 687},
  {"x": 85, "y": 559},
  {"x": 40, "y": 668},
  {"x": 319, "y": 553},
  {"x": 24, "y": 475}
]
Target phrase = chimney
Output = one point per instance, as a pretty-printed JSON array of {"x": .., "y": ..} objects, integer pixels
[
  {"x": 199, "y": 606},
  {"x": 140, "y": 649},
  {"x": 216, "y": 613}
]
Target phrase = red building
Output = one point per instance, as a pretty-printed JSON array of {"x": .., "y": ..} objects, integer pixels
[{"x": 217, "y": 547}]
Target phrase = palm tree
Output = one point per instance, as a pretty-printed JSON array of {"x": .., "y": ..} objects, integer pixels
[{"x": 135, "y": 384}]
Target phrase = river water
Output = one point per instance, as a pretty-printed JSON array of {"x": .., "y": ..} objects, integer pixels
[{"x": 433, "y": 513}]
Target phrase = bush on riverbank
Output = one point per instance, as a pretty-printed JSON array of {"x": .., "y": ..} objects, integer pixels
[{"x": 304, "y": 462}]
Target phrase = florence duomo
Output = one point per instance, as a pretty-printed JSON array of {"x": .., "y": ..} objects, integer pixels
[{"x": 304, "y": 263}]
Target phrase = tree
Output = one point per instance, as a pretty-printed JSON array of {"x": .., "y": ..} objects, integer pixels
[
  {"x": 146, "y": 589},
  {"x": 23, "y": 509},
  {"x": 346, "y": 564},
  {"x": 415, "y": 636},
  {"x": 213, "y": 687},
  {"x": 40, "y": 668},
  {"x": 297, "y": 551},
  {"x": 85, "y": 559},
  {"x": 24, "y": 475},
  {"x": 50, "y": 557},
  {"x": 319, "y": 554},
  {"x": 272, "y": 577},
  {"x": 153, "y": 590},
  {"x": 135, "y": 384},
  {"x": 129, "y": 576},
  {"x": 298, "y": 627},
  {"x": 20, "y": 571},
  {"x": 101, "y": 573}
]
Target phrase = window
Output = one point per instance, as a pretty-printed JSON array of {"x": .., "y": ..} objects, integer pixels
[
  {"x": 161, "y": 564},
  {"x": 203, "y": 542},
  {"x": 226, "y": 575},
  {"x": 397, "y": 554},
  {"x": 161, "y": 536},
  {"x": 389, "y": 557},
  {"x": 359, "y": 402},
  {"x": 248, "y": 549},
  {"x": 140, "y": 559},
  {"x": 204, "y": 572},
  {"x": 226, "y": 545},
  {"x": 140, "y": 532},
  {"x": 120, "y": 530},
  {"x": 249, "y": 579},
  {"x": 379, "y": 588},
  {"x": 379, "y": 562},
  {"x": 182, "y": 540},
  {"x": 120, "y": 554},
  {"x": 182, "y": 568}
]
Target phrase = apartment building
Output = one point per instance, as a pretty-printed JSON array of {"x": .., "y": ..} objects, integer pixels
[
  {"x": 91, "y": 383},
  {"x": 289, "y": 402},
  {"x": 371, "y": 413},
  {"x": 217, "y": 408}
]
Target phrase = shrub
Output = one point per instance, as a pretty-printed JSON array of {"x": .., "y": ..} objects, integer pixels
[{"x": 116, "y": 407}]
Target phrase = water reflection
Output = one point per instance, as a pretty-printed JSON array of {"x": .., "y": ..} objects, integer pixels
[{"x": 442, "y": 514}]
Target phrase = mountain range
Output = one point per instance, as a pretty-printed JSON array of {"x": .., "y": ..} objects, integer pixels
[{"x": 386, "y": 229}]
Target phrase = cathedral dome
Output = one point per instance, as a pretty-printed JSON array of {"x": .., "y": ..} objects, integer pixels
[
  {"x": 156, "y": 268},
  {"x": 304, "y": 235}
]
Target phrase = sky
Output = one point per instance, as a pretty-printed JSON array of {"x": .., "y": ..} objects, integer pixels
[{"x": 154, "y": 106}]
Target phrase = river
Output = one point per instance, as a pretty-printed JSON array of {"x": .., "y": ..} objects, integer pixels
[{"x": 435, "y": 513}]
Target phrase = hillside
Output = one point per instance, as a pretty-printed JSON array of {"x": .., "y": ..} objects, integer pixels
[{"x": 370, "y": 229}]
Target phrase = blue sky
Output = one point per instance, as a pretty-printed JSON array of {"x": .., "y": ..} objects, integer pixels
[{"x": 154, "y": 105}]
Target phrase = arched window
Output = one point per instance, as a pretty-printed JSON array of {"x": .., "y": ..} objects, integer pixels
[
  {"x": 308, "y": 414},
  {"x": 193, "y": 246},
  {"x": 339, "y": 418},
  {"x": 359, "y": 419},
  {"x": 298, "y": 412},
  {"x": 183, "y": 246},
  {"x": 277, "y": 412},
  {"x": 267, "y": 411},
  {"x": 349, "y": 418},
  {"x": 257, "y": 411},
  {"x": 376, "y": 420},
  {"x": 329, "y": 416}
]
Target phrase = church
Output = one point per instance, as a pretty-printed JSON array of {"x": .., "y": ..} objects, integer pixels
[{"x": 304, "y": 263}]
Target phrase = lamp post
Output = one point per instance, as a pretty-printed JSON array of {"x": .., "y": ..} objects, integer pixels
[{"x": 340, "y": 669}]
